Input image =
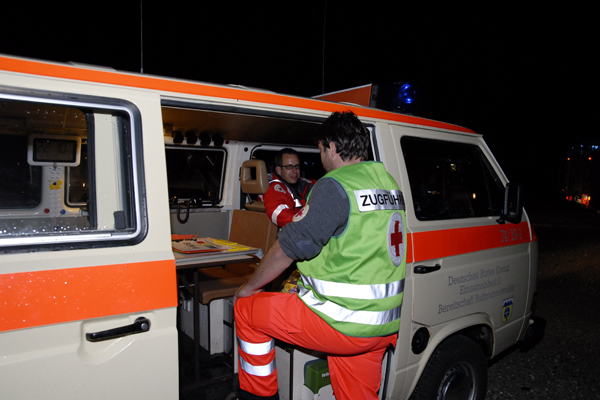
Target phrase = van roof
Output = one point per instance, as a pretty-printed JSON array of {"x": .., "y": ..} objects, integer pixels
[{"x": 110, "y": 76}]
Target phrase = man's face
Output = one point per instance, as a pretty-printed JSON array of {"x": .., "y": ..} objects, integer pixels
[
  {"x": 290, "y": 176},
  {"x": 326, "y": 158}
]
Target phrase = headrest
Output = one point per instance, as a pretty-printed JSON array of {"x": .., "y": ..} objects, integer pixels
[{"x": 260, "y": 183}]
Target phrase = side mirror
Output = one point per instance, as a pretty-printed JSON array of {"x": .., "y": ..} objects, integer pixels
[{"x": 512, "y": 204}]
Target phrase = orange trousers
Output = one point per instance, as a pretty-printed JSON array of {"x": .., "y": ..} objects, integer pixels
[{"x": 354, "y": 362}]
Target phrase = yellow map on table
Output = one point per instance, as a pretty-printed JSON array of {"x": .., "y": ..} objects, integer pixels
[{"x": 190, "y": 244}]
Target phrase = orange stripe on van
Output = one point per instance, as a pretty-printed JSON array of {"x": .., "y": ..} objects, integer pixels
[
  {"x": 451, "y": 242},
  {"x": 188, "y": 87},
  {"x": 409, "y": 248},
  {"x": 37, "y": 298}
]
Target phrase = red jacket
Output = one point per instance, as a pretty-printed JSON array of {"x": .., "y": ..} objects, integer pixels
[{"x": 282, "y": 201}]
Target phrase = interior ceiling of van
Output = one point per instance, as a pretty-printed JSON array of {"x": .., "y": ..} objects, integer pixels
[
  {"x": 240, "y": 127},
  {"x": 23, "y": 117}
]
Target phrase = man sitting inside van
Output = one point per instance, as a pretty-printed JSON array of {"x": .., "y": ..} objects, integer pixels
[{"x": 287, "y": 190}]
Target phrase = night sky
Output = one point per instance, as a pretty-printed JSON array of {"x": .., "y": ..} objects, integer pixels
[{"x": 523, "y": 74}]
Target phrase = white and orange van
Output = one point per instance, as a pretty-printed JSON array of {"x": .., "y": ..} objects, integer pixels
[{"x": 95, "y": 165}]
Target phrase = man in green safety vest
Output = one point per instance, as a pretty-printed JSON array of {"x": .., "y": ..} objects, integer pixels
[{"x": 349, "y": 241}]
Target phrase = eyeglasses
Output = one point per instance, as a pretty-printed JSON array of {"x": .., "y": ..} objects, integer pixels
[{"x": 290, "y": 167}]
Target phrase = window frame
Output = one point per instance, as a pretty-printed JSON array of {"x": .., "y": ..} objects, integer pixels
[
  {"x": 173, "y": 202},
  {"x": 483, "y": 162},
  {"x": 68, "y": 240}
]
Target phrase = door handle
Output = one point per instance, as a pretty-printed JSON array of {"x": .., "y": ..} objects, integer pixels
[
  {"x": 142, "y": 324},
  {"x": 423, "y": 269}
]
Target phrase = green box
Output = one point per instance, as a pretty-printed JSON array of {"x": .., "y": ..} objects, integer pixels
[{"x": 316, "y": 375}]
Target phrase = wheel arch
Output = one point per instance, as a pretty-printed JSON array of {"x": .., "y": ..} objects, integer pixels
[{"x": 477, "y": 327}]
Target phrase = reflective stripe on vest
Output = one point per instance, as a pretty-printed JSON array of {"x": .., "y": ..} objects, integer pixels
[
  {"x": 377, "y": 199},
  {"x": 256, "y": 349},
  {"x": 257, "y": 370},
  {"x": 366, "y": 292},
  {"x": 341, "y": 314},
  {"x": 278, "y": 211}
]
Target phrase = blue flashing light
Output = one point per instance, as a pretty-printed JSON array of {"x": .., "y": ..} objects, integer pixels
[
  {"x": 406, "y": 93},
  {"x": 396, "y": 97}
]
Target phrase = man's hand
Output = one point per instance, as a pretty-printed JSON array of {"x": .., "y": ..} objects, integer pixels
[
  {"x": 274, "y": 263},
  {"x": 243, "y": 291}
]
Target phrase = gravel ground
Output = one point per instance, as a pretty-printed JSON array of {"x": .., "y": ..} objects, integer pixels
[{"x": 565, "y": 365}]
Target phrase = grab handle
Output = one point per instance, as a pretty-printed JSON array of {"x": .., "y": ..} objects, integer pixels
[
  {"x": 187, "y": 215},
  {"x": 141, "y": 325},
  {"x": 424, "y": 269}
]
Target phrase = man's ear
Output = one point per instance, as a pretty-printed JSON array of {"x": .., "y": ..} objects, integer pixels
[
  {"x": 278, "y": 170},
  {"x": 332, "y": 149}
]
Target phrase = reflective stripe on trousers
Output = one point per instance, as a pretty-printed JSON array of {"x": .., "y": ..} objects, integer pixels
[
  {"x": 257, "y": 349},
  {"x": 355, "y": 370}
]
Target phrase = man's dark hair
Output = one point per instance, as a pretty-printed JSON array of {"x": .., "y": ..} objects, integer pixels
[
  {"x": 280, "y": 153},
  {"x": 351, "y": 138}
]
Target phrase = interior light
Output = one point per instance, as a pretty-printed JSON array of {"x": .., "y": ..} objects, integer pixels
[
  {"x": 177, "y": 137},
  {"x": 190, "y": 137},
  {"x": 218, "y": 140},
  {"x": 204, "y": 139}
]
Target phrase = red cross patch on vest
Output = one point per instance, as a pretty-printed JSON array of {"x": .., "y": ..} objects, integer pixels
[{"x": 396, "y": 238}]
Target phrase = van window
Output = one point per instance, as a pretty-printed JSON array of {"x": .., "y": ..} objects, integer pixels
[
  {"x": 195, "y": 174},
  {"x": 310, "y": 162},
  {"x": 66, "y": 173},
  {"x": 77, "y": 178},
  {"x": 20, "y": 183},
  {"x": 450, "y": 180}
]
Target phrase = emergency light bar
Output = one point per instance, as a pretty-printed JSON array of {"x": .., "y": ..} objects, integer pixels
[{"x": 396, "y": 97}]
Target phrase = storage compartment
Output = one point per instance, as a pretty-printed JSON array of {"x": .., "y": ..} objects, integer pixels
[
  {"x": 216, "y": 323},
  {"x": 302, "y": 374}
]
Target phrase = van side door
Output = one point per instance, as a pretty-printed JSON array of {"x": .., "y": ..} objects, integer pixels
[
  {"x": 87, "y": 291},
  {"x": 465, "y": 261}
]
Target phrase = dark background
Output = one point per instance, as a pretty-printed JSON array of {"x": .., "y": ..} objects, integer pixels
[{"x": 525, "y": 75}]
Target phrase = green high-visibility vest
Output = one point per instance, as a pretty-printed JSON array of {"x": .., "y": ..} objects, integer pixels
[{"x": 356, "y": 282}]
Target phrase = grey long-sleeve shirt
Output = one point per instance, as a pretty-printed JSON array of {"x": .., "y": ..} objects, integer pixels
[{"x": 326, "y": 216}]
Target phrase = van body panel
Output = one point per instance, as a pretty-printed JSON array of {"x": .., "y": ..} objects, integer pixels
[
  {"x": 196, "y": 89},
  {"x": 63, "y": 295},
  {"x": 52, "y": 299},
  {"x": 64, "y": 365}
]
